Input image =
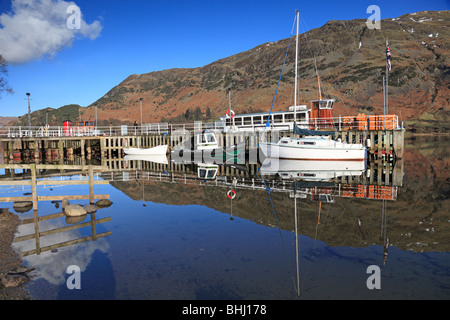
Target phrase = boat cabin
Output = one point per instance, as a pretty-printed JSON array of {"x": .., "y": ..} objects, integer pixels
[
  {"x": 279, "y": 120},
  {"x": 320, "y": 115},
  {"x": 206, "y": 141}
]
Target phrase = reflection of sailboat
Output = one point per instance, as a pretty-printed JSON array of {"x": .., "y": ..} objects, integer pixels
[
  {"x": 160, "y": 158},
  {"x": 311, "y": 170}
]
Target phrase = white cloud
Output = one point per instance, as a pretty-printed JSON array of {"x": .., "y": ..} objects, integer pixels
[{"x": 38, "y": 28}]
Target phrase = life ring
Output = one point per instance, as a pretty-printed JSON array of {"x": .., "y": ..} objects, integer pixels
[
  {"x": 229, "y": 114},
  {"x": 231, "y": 194}
]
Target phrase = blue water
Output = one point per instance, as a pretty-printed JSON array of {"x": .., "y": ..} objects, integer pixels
[{"x": 176, "y": 252}]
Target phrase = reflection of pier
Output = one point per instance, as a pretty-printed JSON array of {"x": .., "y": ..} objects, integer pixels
[
  {"x": 350, "y": 186},
  {"x": 38, "y": 234},
  {"x": 74, "y": 223},
  {"x": 380, "y": 173},
  {"x": 34, "y": 170}
]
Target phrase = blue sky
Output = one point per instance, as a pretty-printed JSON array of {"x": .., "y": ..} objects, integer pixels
[{"x": 121, "y": 38}]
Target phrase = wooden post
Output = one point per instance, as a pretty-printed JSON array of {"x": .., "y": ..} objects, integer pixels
[
  {"x": 33, "y": 185},
  {"x": 91, "y": 185}
]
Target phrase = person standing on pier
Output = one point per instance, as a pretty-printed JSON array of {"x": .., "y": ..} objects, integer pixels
[{"x": 135, "y": 127}]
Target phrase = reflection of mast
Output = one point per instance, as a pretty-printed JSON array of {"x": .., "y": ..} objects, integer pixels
[
  {"x": 296, "y": 245},
  {"x": 383, "y": 233}
]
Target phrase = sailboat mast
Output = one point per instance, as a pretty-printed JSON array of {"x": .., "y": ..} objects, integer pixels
[{"x": 296, "y": 58}]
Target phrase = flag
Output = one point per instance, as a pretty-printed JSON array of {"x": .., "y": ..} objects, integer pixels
[{"x": 388, "y": 57}]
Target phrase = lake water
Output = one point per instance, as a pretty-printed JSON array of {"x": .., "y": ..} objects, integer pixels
[{"x": 174, "y": 237}]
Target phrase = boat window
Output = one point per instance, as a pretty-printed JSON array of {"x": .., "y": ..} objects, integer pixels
[
  {"x": 288, "y": 117},
  {"x": 283, "y": 142},
  {"x": 247, "y": 120},
  {"x": 278, "y": 118},
  {"x": 309, "y": 175},
  {"x": 201, "y": 173},
  {"x": 211, "y": 173},
  {"x": 308, "y": 143},
  {"x": 237, "y": 121},
  {"x": 210, "y": 138},
  {"x": 89, "y": 123},
  {"x": 257, "y": 120},
  {"x": 80, "y": 124}
]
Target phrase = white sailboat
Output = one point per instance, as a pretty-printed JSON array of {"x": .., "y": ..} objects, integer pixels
[{"x": 315, "y": 146}]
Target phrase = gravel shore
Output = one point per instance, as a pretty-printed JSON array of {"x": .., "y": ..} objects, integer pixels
[{"x": 10, "y": 261}]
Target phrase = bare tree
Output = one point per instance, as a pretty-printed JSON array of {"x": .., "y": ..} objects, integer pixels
[{"x": 4, "y": 87}]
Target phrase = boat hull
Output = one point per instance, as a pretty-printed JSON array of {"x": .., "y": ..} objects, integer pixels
[
  {"x": 310, "y": 169},
  {"x": 159, "y": 150},
  {"x": 349, "y": 153}
]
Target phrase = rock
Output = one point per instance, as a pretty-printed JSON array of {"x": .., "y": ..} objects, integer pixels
[
  {"x": 14, "y": 280},
  {"x": 20, "y": 269},
  {"x": 90, "y": 208},
  {"x": 74, "y": 210},
  {"x": 75, "y": 220},
  {"x": 103, "y": 203},
  {"x": 22, "y": 206}
]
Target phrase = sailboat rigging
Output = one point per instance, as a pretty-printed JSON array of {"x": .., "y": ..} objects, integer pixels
[{"x": 316, "y": 145}]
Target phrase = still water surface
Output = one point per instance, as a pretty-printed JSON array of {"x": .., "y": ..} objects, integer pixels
[{"x": 176, "y": 240}]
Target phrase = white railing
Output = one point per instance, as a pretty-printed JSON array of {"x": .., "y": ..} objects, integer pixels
[
  {"x": 361, "y": 122},
  {"x": 341, "y": 123}
]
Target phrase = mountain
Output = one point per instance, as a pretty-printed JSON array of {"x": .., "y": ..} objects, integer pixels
[
  {"x": 350, "y": 60},
  {"x": 54, "y": 117}
]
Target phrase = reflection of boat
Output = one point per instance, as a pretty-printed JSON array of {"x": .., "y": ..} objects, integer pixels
[
  {"x": 157, "y": 158},
  {"x": 314, "y": 146},
  {"x": 158, "y": 150},
  {"x": 207, "y": 171},
  {"x": 205, "y": 148},
  {"x": 311, "y": 170}
]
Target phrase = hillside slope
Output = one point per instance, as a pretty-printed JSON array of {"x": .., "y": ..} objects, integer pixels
[{"x": 350, "y": 60}]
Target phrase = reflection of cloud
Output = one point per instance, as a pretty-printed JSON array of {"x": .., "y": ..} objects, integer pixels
[
  {"x": 38, "y": 28},
  {"x": 52, "y": 266}
]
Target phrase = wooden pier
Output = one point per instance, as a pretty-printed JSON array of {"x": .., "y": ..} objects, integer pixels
[{"x": 379, "y": 143}]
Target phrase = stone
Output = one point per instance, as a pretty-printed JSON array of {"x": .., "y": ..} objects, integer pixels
[
  {"x": 103, "y": 203},
  {"x": 90, "y": 208},
  {"x": 74, "y": 210},
  {"x": 75, "y": 220},
  {"x": 22, "y": 206},
  {"x": 14, "y": 280}
]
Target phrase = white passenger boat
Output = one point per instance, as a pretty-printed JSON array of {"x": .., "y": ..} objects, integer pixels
[{"x": 158, "y": 150}]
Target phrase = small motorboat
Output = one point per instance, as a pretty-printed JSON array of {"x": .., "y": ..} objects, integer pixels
[{"x": 158, "y": 150}]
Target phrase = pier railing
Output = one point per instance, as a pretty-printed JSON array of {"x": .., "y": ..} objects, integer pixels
[{"x": 347, "y": 123}]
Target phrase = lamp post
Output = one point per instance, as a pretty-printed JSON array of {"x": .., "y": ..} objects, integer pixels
[
  {"x": 29, "y": 111},
  {"x": 140, "y": 102}
]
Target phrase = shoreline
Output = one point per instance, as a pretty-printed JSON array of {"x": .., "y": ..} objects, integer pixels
[{"x": 10, "y": 261}]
